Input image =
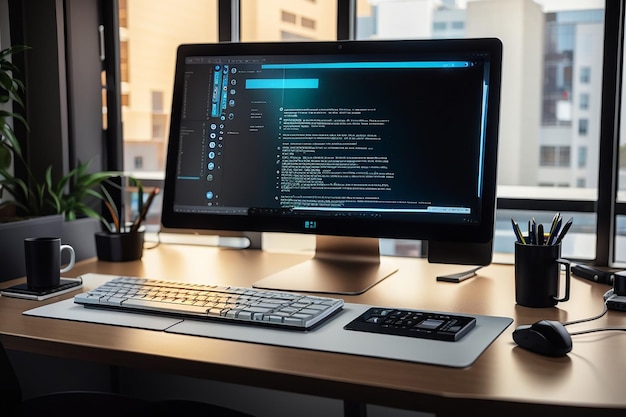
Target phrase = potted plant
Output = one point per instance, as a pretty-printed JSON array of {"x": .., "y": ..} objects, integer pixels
[{"x": 38, "y": 206}]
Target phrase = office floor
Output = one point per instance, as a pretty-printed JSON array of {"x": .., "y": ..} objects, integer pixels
[{"x": 39, "y": 374}]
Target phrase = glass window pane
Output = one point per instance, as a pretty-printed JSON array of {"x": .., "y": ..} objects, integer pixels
[
  {"x": 150, "y": 32},
  {"x": 620, "y": 223},
  {"x": 288, "y": 20},
  {"x": 620, "y": 240},
  {"x": 580, "y": 237},
  {"x": 552, "y": 56}
]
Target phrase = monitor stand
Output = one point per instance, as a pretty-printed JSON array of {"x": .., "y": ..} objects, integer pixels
[{"x": 341, "y": 265}]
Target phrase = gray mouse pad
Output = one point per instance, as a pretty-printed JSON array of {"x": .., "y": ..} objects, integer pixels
[
  {"x": 329, "y": 337},
  {"x": 332, "y": 337}
]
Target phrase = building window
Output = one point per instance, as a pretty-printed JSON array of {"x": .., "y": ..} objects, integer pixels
[
  {"x": 582, "y": 157},
  {"x": 293, "y": 37},
  {"x": 288, "y": 17},
  {"x": 584, "y": 101},
  {"x": 138, "y": 162},
  {"x": 157, "y": 101},
  {"x": 458, "y": 25},
  {"x": 583, "y": 127},
  {"x": 437, "y": 26},
  {"x": 585, "y": 75},
  {"x": 554, "y": 156},
  {"x": 124, "y": 70},
  {"x": 308, "y": 23},
  {"x": 159, "y": 126}
]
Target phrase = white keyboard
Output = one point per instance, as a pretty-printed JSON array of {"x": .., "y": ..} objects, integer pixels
[{"x": 196, "y": 301}]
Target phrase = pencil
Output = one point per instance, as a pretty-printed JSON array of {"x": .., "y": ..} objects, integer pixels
[{"x": 144, "y": 209}]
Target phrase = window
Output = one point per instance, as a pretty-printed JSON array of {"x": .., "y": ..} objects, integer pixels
[
  {"x": 287, "y": 17},
  {"x": 458, "y": 25},
  {"x": 147, "y": 71},
  {"x": 292, "y": 37},
  {"x": 308, "y": 23},
  {"x": 583, "y": 127},
  {"x": 554, "y": 156},
  {"x": 585, "y": 75},
  {"x": 548, "y": 156},
  {"x": 552, "y": 37},
  {"x": 582, "y": 157},
  {"x": 583, "y": 103},
  {"x": 569, "y": 54},
  {"x": 157, "y": 102},
  {"x": 269, "y": 21},
  {"x": 572, "y": 69}
]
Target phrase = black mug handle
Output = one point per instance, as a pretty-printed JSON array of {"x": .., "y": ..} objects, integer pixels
[{"x": 567, "y": 278}]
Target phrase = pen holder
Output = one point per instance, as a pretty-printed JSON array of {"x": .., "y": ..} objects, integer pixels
[
  {"x": 537, "y": 275},
  {"x": 119, "y": 247}
]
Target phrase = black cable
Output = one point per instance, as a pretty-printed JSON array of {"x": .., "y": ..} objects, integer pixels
[
  {"x": 602, "y": 329},
  {"x": 588, "y": 319},
  {"x": 158, "y": 242}
]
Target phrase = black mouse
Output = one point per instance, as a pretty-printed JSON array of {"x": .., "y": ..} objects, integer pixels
[{"x": 545, "y": 337}]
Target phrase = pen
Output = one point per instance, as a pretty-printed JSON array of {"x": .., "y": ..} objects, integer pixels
[
  {"x": 554, "y": 232},
  {"x": 533, "y": 231},
  {"x": 564, "y": 231},
  {"x": 540, "y": 236},
  {"x": 518, "y": 232},
  {"x": 555, "y": 219}
]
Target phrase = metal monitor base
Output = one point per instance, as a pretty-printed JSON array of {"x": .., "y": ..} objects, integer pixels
[{"x": 347, "y": 266}]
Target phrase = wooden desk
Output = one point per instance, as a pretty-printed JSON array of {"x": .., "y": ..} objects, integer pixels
[{"x": 504, "y": 379}]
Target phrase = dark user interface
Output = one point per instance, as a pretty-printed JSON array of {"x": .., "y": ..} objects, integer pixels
[{"x": 356, "y": 137}]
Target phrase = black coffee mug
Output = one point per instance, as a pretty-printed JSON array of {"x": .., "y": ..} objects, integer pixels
[
  {"x": 43, "y": 261},
  {"x": 537, "y": 273}
]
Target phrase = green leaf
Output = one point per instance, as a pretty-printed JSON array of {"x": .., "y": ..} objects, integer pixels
[{"x": 5, "y": 157}]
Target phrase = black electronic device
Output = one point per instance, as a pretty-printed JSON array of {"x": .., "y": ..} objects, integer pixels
[
  {"x": 349, "y": 141},
  {"x": 615, "y": 298},
  {"x": 545, "y": 337},
  {"x": 413, "y": 323},
  {"x": 593, "y": 274},
  {"x": 614, "y": 301}
]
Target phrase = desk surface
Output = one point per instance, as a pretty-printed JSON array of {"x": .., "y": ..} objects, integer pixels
[{"x": 591, "y": 376}]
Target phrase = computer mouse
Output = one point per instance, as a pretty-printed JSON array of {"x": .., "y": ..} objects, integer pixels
[{"x": 545, "y": 337}]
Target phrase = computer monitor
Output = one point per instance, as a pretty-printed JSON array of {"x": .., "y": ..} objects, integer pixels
[{"x": 351, "y": 141}]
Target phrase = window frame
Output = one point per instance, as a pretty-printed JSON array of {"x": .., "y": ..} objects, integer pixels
[{"x": 606, "y": 207}]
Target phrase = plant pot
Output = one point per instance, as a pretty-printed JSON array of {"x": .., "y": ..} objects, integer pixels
[{"x": 119, "y": 247}]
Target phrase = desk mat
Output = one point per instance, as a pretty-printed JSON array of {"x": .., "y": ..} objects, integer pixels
[{"x": 330, "y": 337}]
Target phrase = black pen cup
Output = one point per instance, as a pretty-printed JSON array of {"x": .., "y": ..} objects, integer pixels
[
  {"x": 538, "y": 273},
  {"x": 119, "y": 247}
]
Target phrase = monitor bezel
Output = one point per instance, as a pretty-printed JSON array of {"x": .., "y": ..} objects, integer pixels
[{"x": 478, "y": 233}]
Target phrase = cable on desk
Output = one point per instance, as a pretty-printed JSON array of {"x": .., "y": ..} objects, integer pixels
[
  {"x": 604, "y": 311},
  {"x": 158, "y": 242},
  {"x": 601, "y": 329}
]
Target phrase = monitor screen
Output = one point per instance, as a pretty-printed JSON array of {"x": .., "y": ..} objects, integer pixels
[{"x": 359, "y": 139}]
